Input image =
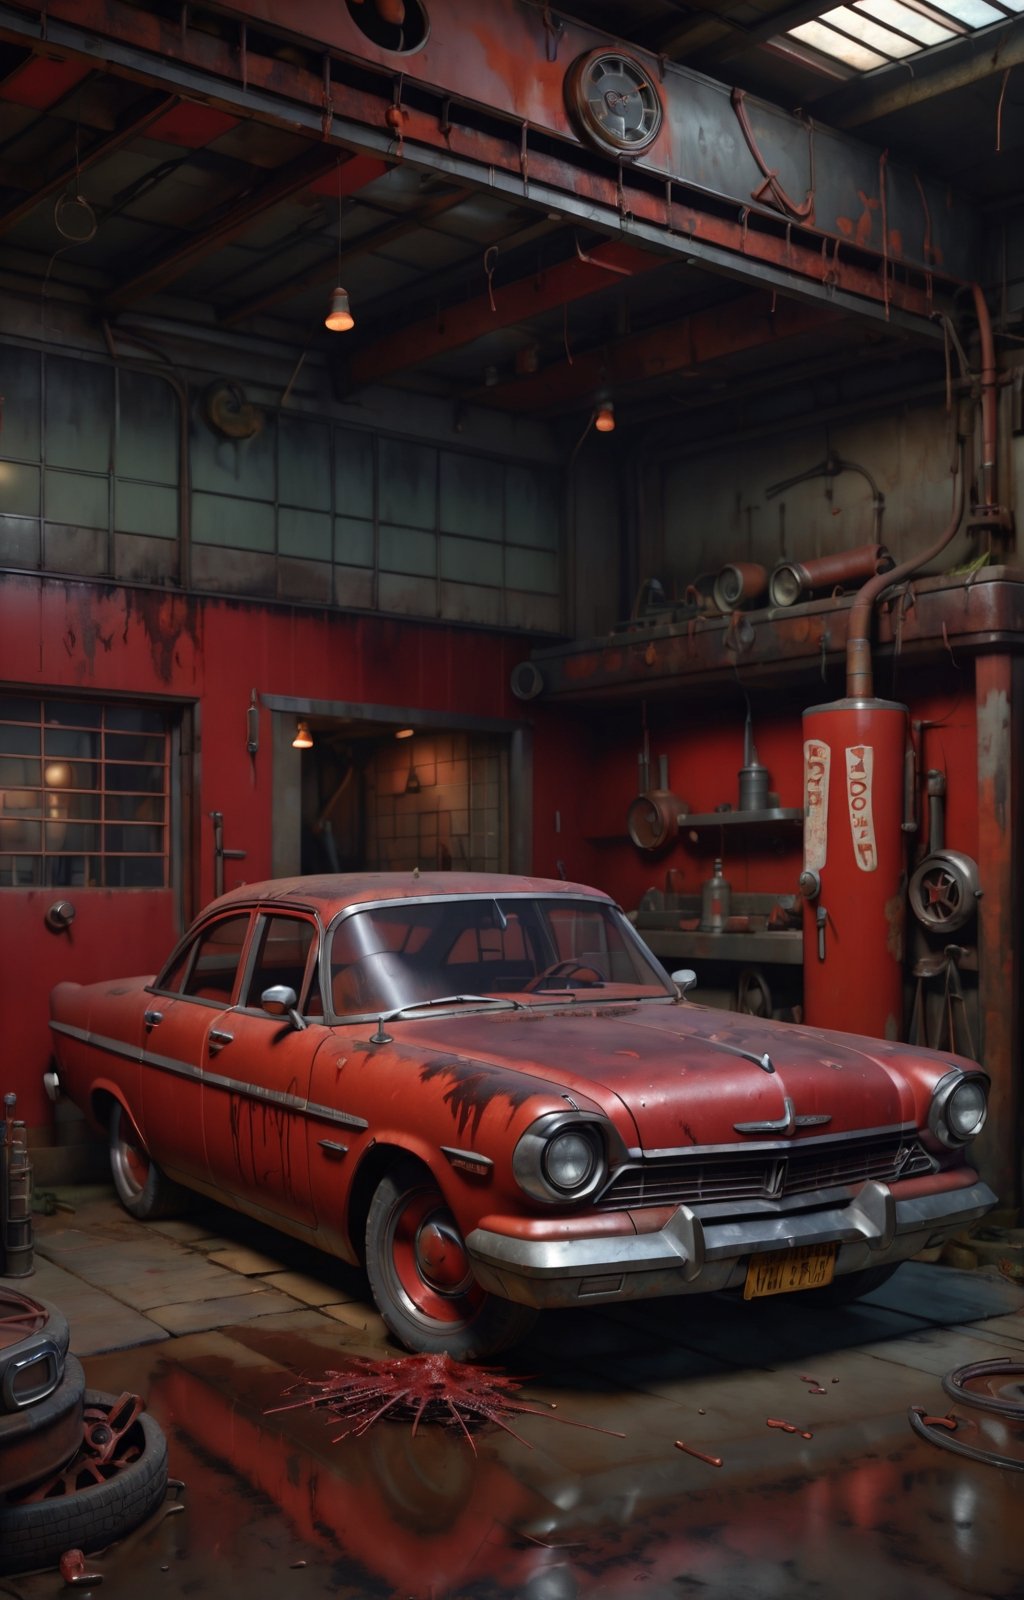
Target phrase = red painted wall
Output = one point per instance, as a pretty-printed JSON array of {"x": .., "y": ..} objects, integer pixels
[
  {"x": 64, "y": 634},
  {"x": 211, "y": 652}
]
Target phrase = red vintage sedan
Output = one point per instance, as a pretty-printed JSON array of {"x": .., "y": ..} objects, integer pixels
[{"x": 486, "y": 1090}]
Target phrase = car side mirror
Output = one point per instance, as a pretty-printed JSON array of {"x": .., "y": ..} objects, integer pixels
[
  {"x": 281, "y": 1001},
  {"x": 684, "y": 979}
]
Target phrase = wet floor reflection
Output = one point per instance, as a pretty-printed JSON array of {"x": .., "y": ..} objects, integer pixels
[{"x": 274, "y": 1508}]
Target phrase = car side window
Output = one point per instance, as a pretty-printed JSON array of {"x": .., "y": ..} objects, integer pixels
[
  {"x": 216, "y": 954},
  {"x": 283, "y": 949}
]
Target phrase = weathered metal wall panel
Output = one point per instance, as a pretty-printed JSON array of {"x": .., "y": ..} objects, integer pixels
[{"x": 207, "y": 654}]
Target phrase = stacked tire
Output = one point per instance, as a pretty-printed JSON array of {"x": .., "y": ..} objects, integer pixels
[{"x": 52, "y": 1496}]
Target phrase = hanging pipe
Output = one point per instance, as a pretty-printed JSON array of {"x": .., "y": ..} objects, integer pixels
[
  {"x": 860, "y": 683},
  {"x": 988, "y": 398}
]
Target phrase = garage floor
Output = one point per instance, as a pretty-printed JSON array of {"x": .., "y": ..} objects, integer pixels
[{"x": 210, "y": 1320}]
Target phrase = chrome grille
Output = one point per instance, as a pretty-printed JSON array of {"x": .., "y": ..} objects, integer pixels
[{"x": 695, "y": 1178}]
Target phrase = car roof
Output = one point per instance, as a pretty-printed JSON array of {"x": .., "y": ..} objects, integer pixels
[{"x": 331, "y": 892}]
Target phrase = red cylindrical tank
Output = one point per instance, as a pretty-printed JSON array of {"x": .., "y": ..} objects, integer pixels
[{"x": 854, "y": 870}]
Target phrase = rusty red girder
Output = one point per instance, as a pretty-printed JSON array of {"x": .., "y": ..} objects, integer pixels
[
  {"x": 506, "y": 304},
  {"x": 751, "y": 322},
  {"x": 775, "y": 647},
  {"x": 291, "y": 179},
  {"x": 138, "y": 123},
  {"x": 522, "y": 147},
  {"x": 326, "y": 271}
]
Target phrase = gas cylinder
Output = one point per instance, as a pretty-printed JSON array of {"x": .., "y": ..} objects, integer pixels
[
  {"x": 854, "y": 875},
  {"x": 716, "y": 897}
]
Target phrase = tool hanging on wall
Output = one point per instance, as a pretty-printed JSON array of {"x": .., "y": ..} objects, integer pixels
[
  {"x": 754, "y": 778},
  {"x": 653, "y": 818}
]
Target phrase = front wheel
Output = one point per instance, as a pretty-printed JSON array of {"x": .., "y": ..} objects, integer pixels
[
  {"x": 421, "y": 1276},
  {"x": 140, "y": 1185}
]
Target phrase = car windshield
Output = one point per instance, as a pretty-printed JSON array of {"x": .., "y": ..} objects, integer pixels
[{"x": 386, "y": 958}]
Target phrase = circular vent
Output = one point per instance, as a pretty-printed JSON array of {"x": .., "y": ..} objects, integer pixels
[{"x": 398, "y": 25}]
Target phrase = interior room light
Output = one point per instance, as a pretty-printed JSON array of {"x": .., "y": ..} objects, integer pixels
[
  {"x": 404, "y": 733},
  {"x": 604, "y": 422},
  {"x": 303, "y": 738},
  {"x": 339, "y": 316}
]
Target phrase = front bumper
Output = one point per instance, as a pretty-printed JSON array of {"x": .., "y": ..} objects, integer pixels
[{"x": 698, "y": 1252}]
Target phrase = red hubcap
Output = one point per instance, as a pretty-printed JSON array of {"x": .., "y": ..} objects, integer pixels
[{"x": 430, "y": 1260}]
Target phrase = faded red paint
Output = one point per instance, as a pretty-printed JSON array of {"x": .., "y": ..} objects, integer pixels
[
  {"x": 999, "y": 685},
  {"x": 192, "y": 125},
  {"x": 453, "y": 61},
  {"x": 42, "y": 81},
  {"x": 207, "y": 654}
]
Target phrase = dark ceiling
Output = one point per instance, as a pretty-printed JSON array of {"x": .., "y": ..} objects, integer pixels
[{"x": 154, "y": 209}]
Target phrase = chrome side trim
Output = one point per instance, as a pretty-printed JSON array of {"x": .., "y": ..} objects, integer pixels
[
  {"x": 215, "y": 1080},
  {"x": 786, "y": 1124},
  {"x": 458, "y": 1157},
  {"x": 696, "y": 1151}
]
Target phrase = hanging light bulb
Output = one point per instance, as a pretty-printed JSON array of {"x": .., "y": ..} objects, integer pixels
[
  {"x": 604, "y": 421},
  {"x": 339, "y": 316},
  {"x": 303, "y": 738}
]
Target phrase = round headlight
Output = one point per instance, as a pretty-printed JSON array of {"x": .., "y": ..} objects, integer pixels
[
  {"x": 569, "y": 1160},
  {"x": 966, "y": 1109}
]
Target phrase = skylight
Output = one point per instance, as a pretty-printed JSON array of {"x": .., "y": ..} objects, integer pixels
[{"x": 865, "y": 34}]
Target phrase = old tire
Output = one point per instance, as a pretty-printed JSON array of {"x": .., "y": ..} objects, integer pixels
[
  {"x": 39, "y": 1439},
  {"x": 37, "y": 1532},
  {"x": 421, "y": 1278},
  {"x": 143, "y": 1190}
]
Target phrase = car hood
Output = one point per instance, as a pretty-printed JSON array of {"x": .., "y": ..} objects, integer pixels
[{"x": 686, "y": 1075}]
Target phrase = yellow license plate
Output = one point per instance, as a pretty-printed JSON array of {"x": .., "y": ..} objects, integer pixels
[{"x": 809, "y": 1266}]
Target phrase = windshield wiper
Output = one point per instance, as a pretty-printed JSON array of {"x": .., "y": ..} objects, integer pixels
[{"x": 454, "y": 1000}]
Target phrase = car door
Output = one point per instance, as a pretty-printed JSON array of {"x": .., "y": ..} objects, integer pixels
[
  {"x": 183, "y": 1034},
  {"x": 256, "y": 1088}
]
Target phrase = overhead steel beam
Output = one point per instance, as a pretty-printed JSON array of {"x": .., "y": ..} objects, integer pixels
[
  {"x": 750, "y": 322},
  {"x": 296, "y": 175},
  {"x": 376, "y": 239},
  {"x": 131, "y": 128},
  {"x": 984, "y": 61},
  {"x": 505, "y": 305},
  {"x": 696, "y": 204}
]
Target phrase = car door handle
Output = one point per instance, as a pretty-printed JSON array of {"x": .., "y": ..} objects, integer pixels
[
  {"x": 151, "y": 1018},
  {"x": 218, "y": 1039}
]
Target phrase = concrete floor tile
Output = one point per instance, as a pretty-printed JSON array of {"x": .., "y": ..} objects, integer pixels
[
  {"x": 97, "y": 1321},
  {"x": 314, "y": 1291},
  {"x": 250, "y": 1263},
  {"x": 1007, "y": 1331},
  {"x": 197, "y": 1315},
  {"x": 935, "y": 1351},
  {"x": 184, "y": 1231},
  {"x": 358, "y": 1316}
]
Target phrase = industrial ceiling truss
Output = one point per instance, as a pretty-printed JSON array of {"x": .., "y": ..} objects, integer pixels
[{"x": 727, "y": 183}]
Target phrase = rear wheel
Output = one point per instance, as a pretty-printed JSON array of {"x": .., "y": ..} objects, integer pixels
[
  {"x": 141, "y": 1187},
  {"x": 421, "y": 1276}
]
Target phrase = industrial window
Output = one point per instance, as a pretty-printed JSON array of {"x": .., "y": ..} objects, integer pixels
[
  {"x": 83, "y": 795},
  {"x": 88, "y": 467},
  {"x": 872, "y": 33},
  {"x": 310, "y": 511}
]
